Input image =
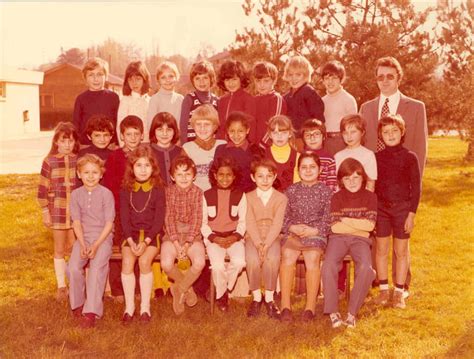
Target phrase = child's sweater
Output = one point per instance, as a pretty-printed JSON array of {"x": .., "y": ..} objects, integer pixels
[
  {"x": 164, "y": 156},
  {"x": 304, "y": 104},
  {"x": 266, "y": 107},
  {"x": 336, "y": 106},
  {"x": 286, "y": 159},
  {"x": 164, "y": 101},
  {"x": 191, "y": 102},
  {"x": 328, "y": 174},
  {"x": 136, "y": 105},
  {"x": 114, "y": 172}
]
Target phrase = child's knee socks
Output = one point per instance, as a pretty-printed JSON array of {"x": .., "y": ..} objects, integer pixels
[{"x": 60, "y": 271}]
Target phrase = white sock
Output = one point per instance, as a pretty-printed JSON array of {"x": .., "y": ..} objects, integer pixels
[
  {"x": 128, "y": 284},
  {"x": 146, "y": 287},
  {"x": 269, "y": 296},
  {"x": 383, "y": 286},
  {"x": 401, "y": 290},
  {"x": 257, "y": 295},
  {"x": 60, "y": 271}
]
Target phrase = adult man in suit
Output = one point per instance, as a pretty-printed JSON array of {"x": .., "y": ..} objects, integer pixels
[{"x": 389, "y": 74}]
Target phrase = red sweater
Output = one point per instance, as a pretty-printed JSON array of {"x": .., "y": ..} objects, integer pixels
[
  {"x": 267, "y": 107},
  {"x": 240, "y": 100},
  {"x": 114, "y": 172}
]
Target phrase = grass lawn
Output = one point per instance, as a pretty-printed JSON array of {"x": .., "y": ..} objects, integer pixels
[{"x": 438, "y": 320}]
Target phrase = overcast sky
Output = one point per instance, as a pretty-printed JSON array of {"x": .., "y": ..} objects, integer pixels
[{"x": 33, "y": 33}]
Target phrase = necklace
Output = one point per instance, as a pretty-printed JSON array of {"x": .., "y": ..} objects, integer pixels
[{"x": 146, "y": 203}]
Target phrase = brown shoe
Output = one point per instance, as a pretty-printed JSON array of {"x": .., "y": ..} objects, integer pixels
[
  {"x": 62, "y": 294},
  {"x": 145, "y": 317},
  {"x": 223, "y": 303},
  {"x": 286, "y": 315},
  {"x": 307, "y": 315},
  {"x": 398, "y": 301},
  {"x": 178, "y": 299},
  {"x": 87, "y": 321},
  {"x": 382, "y": 298},
  {"x": 77, "y": 313},
  {"x": 191, "y": 297},
  {"x": 127, "y": 319}
]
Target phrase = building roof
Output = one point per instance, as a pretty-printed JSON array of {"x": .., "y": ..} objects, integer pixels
[
  {"x": 111, "y": 79},
  {"x": 12, "y": 74},
  {"x": 220, "y": 56}
]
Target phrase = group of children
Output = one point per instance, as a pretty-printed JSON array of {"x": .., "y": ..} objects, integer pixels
[{"x": 258, "y": 179}]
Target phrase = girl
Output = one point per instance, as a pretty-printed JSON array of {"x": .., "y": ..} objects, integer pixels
[
  {"x": 283, "y": 151},
  {"x": 223, "y": 227},
  {"x": 92, "y": 212},
  {"x": 353, "y": 216},
  {"x": 233, "y": 79},
  {"x": 142, "y": 203},
  {"x": 135, "y": 95},
  {"x": 164, "y": 135},
  {"x": 57, "y": 180},
  {"x": 203, "y": 78},
  {"x": 239, "y": 148},
  {"x": 264, "y": 220},
  {"x": 166, "y": 99},
  {"x": 305, "y": 228}
]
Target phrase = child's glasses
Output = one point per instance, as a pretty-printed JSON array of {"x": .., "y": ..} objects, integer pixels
[{"x": 311, "y": 135}]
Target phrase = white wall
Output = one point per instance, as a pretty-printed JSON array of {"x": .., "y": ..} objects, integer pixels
[{"x": 19, "y": 97}]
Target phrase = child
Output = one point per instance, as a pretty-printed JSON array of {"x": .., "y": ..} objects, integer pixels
[
  {"x": 239, "y": 148},
  {"x": 205, "y": 122},
  {"x": 268, "y": 102},
  {"x": 314, "y": 135},
  {"x": 164, "y": 135},
  {"x": 353, "y": 131},
  {"x": 183, "y": 240},
  {"x": 337, "y": 104},
  {"x": 398, "y": 191},
  {"x": 96, "y": 100},
  {"x": 131, "y": 133},
  {"x": 223, "y": 227},
  {"x": 264, "y": 220},
  {"x": 233, "y": 79},
  {"x": 92, "y": 213},
  {"x": 99, "y": 131},
  {"x": 142, "y": 202},
  {"x": 166, "y": 99},
  {"x": 203, "y": 78},
  {"x": 283, "y": 151},
  {"x": 135, "y": 95},
  {"x": 57, "y": 180},
  {"x": 353, "y": 216},
  {"x": 305, "y": 228},
  {"x": 302, "y": 100}
]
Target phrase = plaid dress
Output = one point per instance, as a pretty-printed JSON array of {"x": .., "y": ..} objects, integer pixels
[{"x": 57, "y": 180}]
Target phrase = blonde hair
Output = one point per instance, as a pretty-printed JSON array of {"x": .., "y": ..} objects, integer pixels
[
  {"x": 205, "y": 112},
  {"x": 94, "y": 62},
  {"x": 90, "y": 158},
  {"x": 298, "y": 63},
  {"x": 167, "y": 65},
  {"x": 284, "y": 124}
]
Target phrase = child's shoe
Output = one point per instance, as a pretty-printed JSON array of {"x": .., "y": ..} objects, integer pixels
[
  {"x": 145, "y": 317},
  {"x": 254, "y": 309},
  {"x": 307, "y": 316},
  {"x": 127, "y": 318},
  {"x": 336, "y": 320},
  {"x": 87, "y": 321},
  {"x": 350, "y": 321},
  {"x": 191, "y": 297},
  {"x": 398, "y": 300},
  {"x": 272, "y": 310},
  {"x": 223, "y": 303},
  {"x": 62, "y": 294},
  {"x": 77, "y": 313},
  {"x": 382, "y": 298},
  {"x": 178, "y": 299},
  {"x": 286, "y": 315}
]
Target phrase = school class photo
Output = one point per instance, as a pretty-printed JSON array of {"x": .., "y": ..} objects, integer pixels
[{"x": 235, "y": 207}]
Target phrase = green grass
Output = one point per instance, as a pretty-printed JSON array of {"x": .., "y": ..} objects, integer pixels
[{"x": 438, "y": 321}]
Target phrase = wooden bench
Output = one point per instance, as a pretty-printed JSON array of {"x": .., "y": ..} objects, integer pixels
[{"x": 117, "y": 255}]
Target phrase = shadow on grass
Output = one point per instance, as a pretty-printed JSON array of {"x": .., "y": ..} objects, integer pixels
[
  {"x": 464, "y": 347},
  {"x": 444, "y": 193}
]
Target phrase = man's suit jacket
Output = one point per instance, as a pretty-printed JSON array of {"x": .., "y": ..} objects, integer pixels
[{"x": 414, "y": 114}]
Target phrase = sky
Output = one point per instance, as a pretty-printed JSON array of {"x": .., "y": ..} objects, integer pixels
[{"x": 32, "y": 33}]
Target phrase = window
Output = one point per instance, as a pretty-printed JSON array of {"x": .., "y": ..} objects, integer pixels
[
  {"x": 3, "y": 89},
  {"x": 47, "y": 100}
]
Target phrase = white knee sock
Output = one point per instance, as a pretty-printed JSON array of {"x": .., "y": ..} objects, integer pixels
[
  {"x": 128, "y": 283},
  {"x": 257, "y": 295},
  {"x": 269, "y": 296},
  {"x": 60, "y": 271},
  {"x": 146, "y": 287}
]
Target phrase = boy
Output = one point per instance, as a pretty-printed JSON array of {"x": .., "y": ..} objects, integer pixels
[
  {"x": 314, "y": 136},
  {"x": 302, "y": 100},
  {"x": 95, "y": 100},
  {"x": 183, "y": 239},
  {"x": 131, "y": 133},
  {"x": 203, "y": 78},
  {"x": 268, "y": 102},
  {"x": 92, "y": 212},
  {"x": 352, "y": 128},
  {"x": 337, "y": 104},
  {"x": 99, "y": 130},
  {"x": 398, "y": 190},
  {"x": 166, "y": 99},
  {"x": 265, "y": 212}
]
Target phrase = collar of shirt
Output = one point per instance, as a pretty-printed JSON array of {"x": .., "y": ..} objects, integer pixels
[
  {"x": 265, "y": 195},
  {"x": 145, "y": 186},
  {"x": 393, "y": 102}
]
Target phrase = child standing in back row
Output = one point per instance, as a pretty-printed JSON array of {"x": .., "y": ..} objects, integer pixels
[{"x": 57, "y": 180}]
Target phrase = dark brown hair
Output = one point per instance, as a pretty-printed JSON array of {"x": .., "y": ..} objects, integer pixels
[
  {"x": 353, "y": 120},
  {"x": 309, "y": 154},
  {"x": 201, "y": 68},
  {"x": 99, "y": 123},
  {"x": 129, "y": 176},
  {"x": 396, "y": 120},
  {"x": 224, "y": 161},
  {"x": 160, "y": 119},
  {"x": 263, "y": 162},
  {"x": 333, "y": 68},
  {"x": 230, "y": 69},
  {"x": 265, "y": 69},
  {"x": 182, "y": 161},
  {"x": 238, "y": 116},
  {"x": 64, "y": 129},
  {"x": 347, "y": 168},
  {"x": 392, "y": 62},
  {"x": 136, "y": 68},
  {"x": 131, "y": 122},
  {"x": 313, "y": 124}
]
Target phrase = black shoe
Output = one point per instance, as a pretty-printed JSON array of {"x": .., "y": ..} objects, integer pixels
[
  {"x": 307, "y": 315},
  {"x": 127, "y": 319},
  {"x": 145, "y": 317},
  {"x": 223, "y": 302},
  {"x": 286, "y": 315},
  {"x": 254, "y": 309},
  {"x": 272, "y": 310}
]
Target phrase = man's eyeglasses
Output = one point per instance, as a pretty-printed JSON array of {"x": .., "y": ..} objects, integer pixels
[{"x": 381, "y": 78}]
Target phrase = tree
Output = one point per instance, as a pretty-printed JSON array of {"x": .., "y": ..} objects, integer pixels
[{"x": 72, "y": 56}]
